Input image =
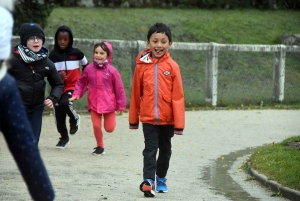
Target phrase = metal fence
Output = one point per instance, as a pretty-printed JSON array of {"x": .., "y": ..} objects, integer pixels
[{"x": 216, "y": 74}]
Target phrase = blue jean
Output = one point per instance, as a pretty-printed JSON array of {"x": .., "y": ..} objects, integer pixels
[{"x": 35, "y": 116}]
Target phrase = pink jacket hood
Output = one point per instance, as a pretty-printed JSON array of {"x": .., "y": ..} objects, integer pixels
[{"x": 109, "y": 46}]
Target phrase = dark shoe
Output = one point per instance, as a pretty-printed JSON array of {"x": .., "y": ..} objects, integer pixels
[
  {"x": 98, "y": 151},
  {"x": 147, "y": 186},
  {"x": 62, "y": 143},
  {"x": 74, "y": 128}
]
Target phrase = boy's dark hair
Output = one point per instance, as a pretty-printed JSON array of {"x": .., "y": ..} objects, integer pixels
[
  {"x": 160, "y": 28},
  {"x": 103, "y": 46}
]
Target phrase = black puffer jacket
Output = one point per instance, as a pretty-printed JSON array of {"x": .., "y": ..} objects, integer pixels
[{"x": 30, "y": 79}]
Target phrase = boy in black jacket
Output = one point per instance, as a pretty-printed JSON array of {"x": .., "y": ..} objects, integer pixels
[
  {"x": 30, "y": 66},
  {"x": 67, "y": 60}
]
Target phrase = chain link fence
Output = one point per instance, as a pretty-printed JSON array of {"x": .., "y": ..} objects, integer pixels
[{"x": 215, "y": 74}]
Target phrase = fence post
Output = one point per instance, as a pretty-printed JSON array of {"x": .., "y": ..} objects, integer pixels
[
  {"x": 279, "y": 74},
  {"x": 211, "y": 74}
]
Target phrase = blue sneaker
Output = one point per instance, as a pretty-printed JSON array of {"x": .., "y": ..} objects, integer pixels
[
  {"x": 148, "y": 186},
  {"x": 161, "y": 186}
]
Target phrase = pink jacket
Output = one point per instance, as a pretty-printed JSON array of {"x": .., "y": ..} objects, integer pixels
[{"x": 106, "y": 91}]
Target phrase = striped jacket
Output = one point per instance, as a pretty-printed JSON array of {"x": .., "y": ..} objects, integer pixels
[{"x": 68, "y": 60}]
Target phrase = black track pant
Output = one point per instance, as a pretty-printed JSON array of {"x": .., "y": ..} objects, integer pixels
[
  {"x": 157, "y": 137},
  {"x": 61, "y": 110}
]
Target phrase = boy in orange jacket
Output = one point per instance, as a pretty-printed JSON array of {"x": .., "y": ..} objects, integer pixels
[{"x": 157, "y": 100}]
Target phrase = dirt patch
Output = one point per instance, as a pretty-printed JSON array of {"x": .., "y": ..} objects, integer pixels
[{"x": 295, "y": 145}]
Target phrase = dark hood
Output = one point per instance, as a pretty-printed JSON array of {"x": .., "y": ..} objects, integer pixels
[{"x": 70, "y": 45}]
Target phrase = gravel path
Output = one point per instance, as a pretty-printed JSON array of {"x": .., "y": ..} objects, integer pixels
[{"x": 76, "y": 174}]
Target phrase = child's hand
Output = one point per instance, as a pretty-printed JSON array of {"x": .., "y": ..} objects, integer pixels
[
  {"x": 48, "y": 103},
  {"x": 120, "y": 112},
  {"x": 62, "y": 75},
  {"x": 73, "y": 98}
]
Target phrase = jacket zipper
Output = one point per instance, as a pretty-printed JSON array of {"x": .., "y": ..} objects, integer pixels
[
  {"x": 33, "y": 75},
  {"x": 66, "y": 68},
  {"x": 156, "y": 92}
]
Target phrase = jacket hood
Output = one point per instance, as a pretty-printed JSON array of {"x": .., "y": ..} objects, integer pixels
[
  {"x": 70, "y": 45},
  {"x": 145, "y": 57}
]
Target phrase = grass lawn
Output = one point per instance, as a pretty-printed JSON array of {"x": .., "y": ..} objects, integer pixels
[
  {"x": 187, "y": 25},
  {"x": 279, "y": 162}
]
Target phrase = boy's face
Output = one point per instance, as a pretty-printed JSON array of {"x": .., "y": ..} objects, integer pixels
[
  {"x": 63, "y": 39},
  {"x": 35, "y": 43},
  {"x": 159, "y": 44},
  {"x": 100, "y": 55}
]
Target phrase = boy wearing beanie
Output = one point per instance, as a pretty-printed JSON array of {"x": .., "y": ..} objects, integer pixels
[
  {"x": 29, "y": 66},
  {"x": 14, "y": 124}
]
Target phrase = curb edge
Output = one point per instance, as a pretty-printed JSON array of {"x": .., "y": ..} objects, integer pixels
[{"x": 286, "y": 192}]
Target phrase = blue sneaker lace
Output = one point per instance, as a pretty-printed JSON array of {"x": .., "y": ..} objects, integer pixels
[{"x": 161, "y": 182}]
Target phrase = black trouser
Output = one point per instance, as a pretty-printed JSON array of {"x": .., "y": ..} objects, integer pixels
[
  {"x": 61, "y": 110},
  {"x": 157, "y": 137}
]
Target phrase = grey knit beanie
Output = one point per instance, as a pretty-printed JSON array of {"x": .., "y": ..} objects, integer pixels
[{"x": 30, "y": 29}]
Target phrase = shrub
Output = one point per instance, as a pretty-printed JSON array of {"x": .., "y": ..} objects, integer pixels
[{"x": 30, "y": 11}]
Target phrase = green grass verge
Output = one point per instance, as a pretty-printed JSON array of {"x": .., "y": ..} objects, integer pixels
[
  {"x": 279, "y": 162},
  {"x": 187, "y": 25}
]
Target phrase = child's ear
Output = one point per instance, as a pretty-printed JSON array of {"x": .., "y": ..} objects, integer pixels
[{"x": 148, "y": 42}]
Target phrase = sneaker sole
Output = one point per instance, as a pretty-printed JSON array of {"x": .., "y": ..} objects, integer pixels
[
  {"x": 98, "y": 154},
  {"x": 78, "y": 126},
  {"x": 147, "y": 189},
  {"x": 149, "y": 194},
  {"x": 59, "y": 147},
  {"x": 161, "y": 191}
]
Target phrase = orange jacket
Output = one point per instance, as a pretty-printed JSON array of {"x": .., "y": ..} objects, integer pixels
[{"x": 157, "y": 93}]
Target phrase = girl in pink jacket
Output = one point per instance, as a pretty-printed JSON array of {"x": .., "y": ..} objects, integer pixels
[{"x": 106, "y": 93}]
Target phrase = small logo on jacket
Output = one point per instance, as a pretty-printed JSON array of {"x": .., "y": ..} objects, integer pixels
[
  {"x": 73, "y": 57},
  {"x": 166, "y": 73},
  {"x": 47, "y": 67}
]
